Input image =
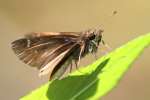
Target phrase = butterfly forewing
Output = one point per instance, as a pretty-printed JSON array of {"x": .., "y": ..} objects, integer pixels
[{"x": 35, "y": 50}]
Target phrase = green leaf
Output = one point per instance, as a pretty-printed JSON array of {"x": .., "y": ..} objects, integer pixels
[{"x": 94, "y": 81}]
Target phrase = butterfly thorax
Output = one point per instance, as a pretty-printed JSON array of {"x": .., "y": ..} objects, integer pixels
[{"x": 88, "y": 42}]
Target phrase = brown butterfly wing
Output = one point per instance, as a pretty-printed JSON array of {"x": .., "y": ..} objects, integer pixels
[
  {"x": 36, "y": 50},
  {"x": 65, "y": 63},
  {"x": 59, "y": 62}
]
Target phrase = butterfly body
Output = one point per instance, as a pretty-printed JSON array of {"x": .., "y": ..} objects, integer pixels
[{"x": 53, "y": 52}]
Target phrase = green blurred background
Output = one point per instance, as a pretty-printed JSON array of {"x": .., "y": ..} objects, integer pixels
[{"x": 18, "y": 17}]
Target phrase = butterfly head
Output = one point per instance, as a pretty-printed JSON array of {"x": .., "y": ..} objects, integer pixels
[{"x": 95, "y": 38}]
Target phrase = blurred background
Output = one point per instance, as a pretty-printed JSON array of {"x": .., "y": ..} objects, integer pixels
[{"x": 122, "y": 20}]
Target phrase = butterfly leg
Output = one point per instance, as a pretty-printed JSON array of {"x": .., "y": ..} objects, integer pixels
[
  {"x": 95, "y": 55},
  {"x": 106, "y": 48},
  {"x": 76, "y": 66},
  {"x": 106, "y": 45},
  {"x": 70, "y": 67},
  {"x": 80, "y": 54},
  {"x": 77, "y": 62}
]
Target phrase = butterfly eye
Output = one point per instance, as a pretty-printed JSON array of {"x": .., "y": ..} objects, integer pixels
[{"x": 92, "y": 37}]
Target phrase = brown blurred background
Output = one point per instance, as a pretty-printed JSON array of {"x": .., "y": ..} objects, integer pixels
[{"x": 18, "y": 17}]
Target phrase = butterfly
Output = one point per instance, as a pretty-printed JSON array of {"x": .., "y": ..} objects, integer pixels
[{"x": 54, "y": 52}]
